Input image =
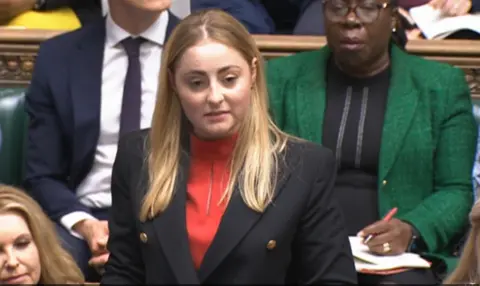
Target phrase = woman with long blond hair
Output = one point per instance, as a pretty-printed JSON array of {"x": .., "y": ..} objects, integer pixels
[
  {"x": 468, "y": 268},
  {"x": 214, "y": 192},
  {"x": 30, "y": 252}
]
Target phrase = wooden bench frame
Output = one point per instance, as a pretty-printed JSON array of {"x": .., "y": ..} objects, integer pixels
[{"x": 18, "y": 50}]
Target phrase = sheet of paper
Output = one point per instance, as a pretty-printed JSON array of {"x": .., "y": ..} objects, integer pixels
[
  {"x": 434, "y": 25},
  {"x": 364, "y": 259}
]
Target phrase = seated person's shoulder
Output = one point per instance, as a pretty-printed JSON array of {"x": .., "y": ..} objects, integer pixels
[
  {"x": 64, "y": 44},
  {"x": 68, "y": 38}
]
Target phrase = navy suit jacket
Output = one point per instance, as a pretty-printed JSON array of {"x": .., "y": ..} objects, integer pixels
[
  {"x": 63, "y": 103},
  {"x": 475, "y": 6}
]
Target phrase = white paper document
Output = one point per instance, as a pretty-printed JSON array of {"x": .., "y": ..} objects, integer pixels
[
  {"x": 365, "y": 260},
  {"x": 434, "y": 25}
]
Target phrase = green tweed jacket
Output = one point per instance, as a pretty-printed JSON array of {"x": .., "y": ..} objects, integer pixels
[{"x": 428, "y": 140}]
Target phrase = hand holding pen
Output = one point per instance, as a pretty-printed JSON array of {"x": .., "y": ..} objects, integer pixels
[
  {"x": 388, "y": 236},
  {"x": 387, "y": 219}
]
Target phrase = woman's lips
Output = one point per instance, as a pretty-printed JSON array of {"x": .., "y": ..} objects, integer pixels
[{"x": 351, "y": 43}]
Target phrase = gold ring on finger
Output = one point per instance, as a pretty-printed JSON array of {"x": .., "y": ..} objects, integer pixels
[{"x": 386, "y": 247}]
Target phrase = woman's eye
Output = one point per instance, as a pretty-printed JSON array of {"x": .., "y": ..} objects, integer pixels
[
  {"x": 230, "y": 79},
  {"x": 196, "y": 83},
  {"x": 22, "y": 244}
]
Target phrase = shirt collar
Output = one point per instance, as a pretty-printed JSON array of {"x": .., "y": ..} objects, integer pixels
[{"x": 156, "y": 33}]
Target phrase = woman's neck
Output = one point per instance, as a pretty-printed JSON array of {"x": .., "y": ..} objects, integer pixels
[
  {"x": 212, "y": 149},
  {"x": 367, "y": 69}
]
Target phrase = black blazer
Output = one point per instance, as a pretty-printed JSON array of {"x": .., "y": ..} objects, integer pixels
[{"x": 300, "y": 238}]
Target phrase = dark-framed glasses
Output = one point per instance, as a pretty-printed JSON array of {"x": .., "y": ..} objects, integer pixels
[{"x": 366, "y": 11}]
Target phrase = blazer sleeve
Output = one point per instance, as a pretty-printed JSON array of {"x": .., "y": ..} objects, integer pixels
[
  {"x": 444, "y": 213},
  {"x": 321, "y": 250},
  {"x": 47, "y": 153},
  {"x": 125, "y": 263}
]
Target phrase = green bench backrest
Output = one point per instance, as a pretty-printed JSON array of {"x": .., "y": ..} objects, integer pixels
[{"x": 13, "y": 123}]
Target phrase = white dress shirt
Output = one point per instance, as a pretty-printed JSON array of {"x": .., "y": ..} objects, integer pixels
[
  {"x": 105, "y": 7},
  {"x": 94, "y": 191}
]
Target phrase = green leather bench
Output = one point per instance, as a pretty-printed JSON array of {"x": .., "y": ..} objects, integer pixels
[{"x": 13, "y": 124}]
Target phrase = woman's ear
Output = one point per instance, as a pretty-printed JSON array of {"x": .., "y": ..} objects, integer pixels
[{"x": 254, "y": 66}]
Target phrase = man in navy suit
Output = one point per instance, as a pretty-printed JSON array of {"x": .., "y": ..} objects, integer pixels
[{"x": 89, "y": 87}]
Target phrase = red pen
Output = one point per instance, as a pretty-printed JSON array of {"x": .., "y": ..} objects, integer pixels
[{"x": 386, "y": 218}]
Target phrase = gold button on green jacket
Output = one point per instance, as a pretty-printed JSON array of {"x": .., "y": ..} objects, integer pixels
[{"x": 428, "y": 140}]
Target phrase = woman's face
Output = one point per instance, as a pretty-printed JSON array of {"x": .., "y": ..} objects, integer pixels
[
  {"x": 214, "y": 84},
  {"x": 19, "y": 257},
  {"x": 358, "y": 38}
]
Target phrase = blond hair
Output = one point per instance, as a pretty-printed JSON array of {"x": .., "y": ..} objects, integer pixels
[
  {"x": 255, "y": 158},
  {"x": 57, "y": 266},
  {"x": 468, "y": 268}
]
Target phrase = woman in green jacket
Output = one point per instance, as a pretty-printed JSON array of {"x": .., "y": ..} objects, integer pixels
[{"x": 401, "y": 128}]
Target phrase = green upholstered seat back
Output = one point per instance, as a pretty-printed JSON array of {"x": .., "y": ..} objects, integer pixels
[{"x": 13, "y": 123}]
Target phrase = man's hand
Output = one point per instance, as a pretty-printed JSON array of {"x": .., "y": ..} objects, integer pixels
[
  {"x": 395, "y": 233},
  {"x": 414, "y": 34},
  {"x": 95, "y": 232},
  {"x": 98, "y": 262},
  {"x": 452, "y": 7},
  {"x": 12, "y": 8}
]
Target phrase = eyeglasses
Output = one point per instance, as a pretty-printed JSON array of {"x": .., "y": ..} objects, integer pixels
[{"x": 366, "y": 12}]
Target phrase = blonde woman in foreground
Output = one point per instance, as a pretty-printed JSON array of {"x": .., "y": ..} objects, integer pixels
[
  {"x": 468, "y": 268},
  {"x": 30, "y": 252},
  {"x": 214, "y": 192}
]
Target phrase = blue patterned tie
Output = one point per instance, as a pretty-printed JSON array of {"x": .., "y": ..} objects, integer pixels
[{"x": 132, "y": 93}]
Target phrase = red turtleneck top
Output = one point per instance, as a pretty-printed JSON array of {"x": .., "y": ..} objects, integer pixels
[{"x": 209, "y": 173}]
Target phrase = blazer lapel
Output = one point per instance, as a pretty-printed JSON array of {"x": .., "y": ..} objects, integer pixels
[
  {"x": 85, "y": 89},
  {"x": 401, "y": 105},
  {"x": 171, "y": 230},
  {"x": 311, "y": 97},
  {"x": 236, "y": 223}
]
